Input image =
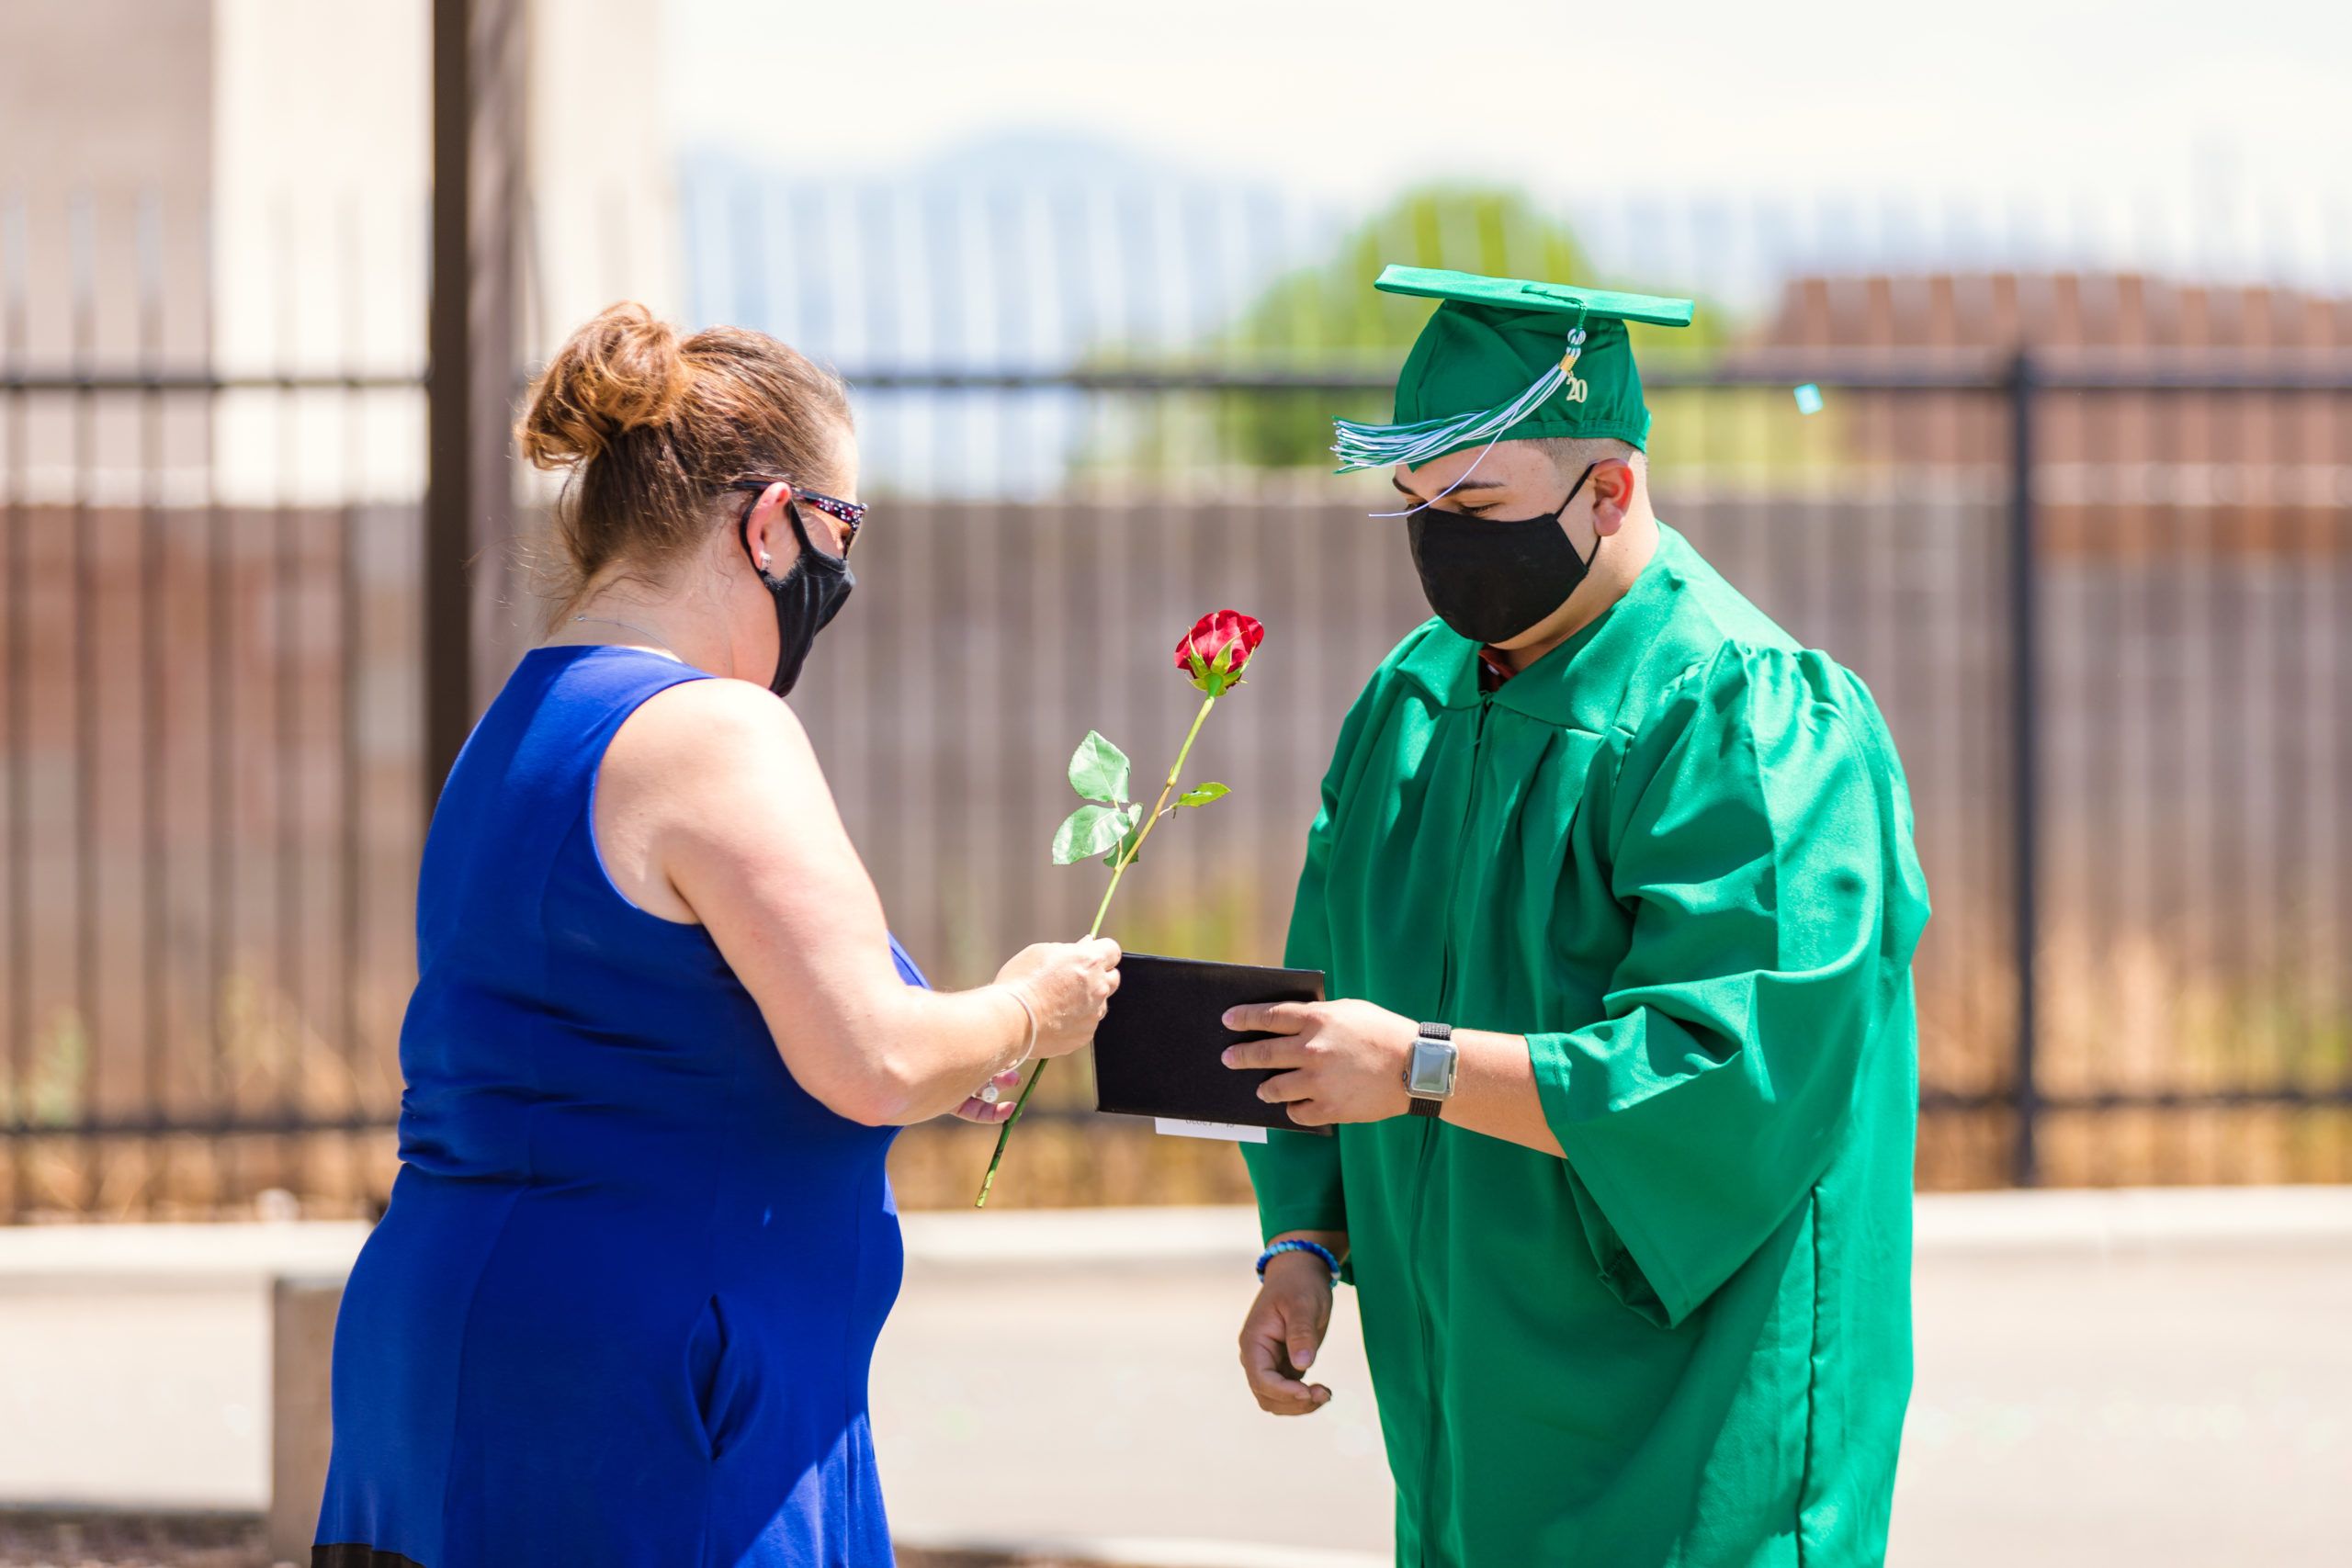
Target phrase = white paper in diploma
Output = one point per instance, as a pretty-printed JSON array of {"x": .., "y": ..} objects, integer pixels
[{"x": 1173, "y": 1127}]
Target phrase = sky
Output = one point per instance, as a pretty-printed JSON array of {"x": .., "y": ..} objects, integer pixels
[
  {"x": 2240, "y": 110},
  {"x": 2193, "y": 141}
]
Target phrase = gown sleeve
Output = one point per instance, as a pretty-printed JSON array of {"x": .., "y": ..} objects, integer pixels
[
  {"x": 1296, "y": 1175},
  {"x": 1701, "y": 1108}
]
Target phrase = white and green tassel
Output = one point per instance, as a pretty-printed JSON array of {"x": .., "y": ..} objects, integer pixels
[{"x": 1361, "y": 445}]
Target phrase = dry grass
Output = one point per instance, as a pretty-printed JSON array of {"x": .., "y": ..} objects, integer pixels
[{"x": 2134, "y": 1011}]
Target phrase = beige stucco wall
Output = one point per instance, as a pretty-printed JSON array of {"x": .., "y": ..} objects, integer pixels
[{"x": 248, "y": 181}]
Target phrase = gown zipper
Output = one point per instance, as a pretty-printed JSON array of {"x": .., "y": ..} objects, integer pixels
[{"x": 1429, "y": 1129}]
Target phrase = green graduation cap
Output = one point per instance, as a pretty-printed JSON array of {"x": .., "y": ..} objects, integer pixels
[{"x": 1503, "y": 360}]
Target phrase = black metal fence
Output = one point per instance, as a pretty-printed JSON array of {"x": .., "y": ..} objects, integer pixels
[
  {"x": 2117, "y": 676},
  {"x": 2126, "y": 727},
  {"x": 2104, "y": 597}
]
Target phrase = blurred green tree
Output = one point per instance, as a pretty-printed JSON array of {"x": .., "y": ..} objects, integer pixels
[{"x": 1327, "y": 316}]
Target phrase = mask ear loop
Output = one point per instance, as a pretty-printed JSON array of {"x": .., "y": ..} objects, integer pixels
[
  {"x": 1568, "y": 364},
  {"x": 743, "y": 536},
  {"x": 1573, "y": 490}
]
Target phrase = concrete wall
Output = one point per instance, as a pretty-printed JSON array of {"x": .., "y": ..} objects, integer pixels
[
  {"x": 134, "y": 1360},
  {"x": 109, "y": 100},
  {"x": 246, "y": 183}
]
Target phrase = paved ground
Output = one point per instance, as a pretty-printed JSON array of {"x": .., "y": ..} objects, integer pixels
[
  {"x": 2161, "y": 1380},
  {"x": 2080, "y": 1399},
  {"x": 98, "y": 1541}
]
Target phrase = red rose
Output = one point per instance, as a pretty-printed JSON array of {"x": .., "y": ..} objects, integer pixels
[
  {"x": 1218, "y": 649},
  {"x": 1212, "y": 654}
]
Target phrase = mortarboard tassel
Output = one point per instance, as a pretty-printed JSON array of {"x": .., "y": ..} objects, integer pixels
[{"x": 1361, "y": 445}]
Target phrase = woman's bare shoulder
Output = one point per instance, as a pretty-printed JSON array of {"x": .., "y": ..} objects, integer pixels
[
  {"x": 701, "y": 774},
  {"x": 724, "y": 709},
  {"x": 703, "y": 735}
]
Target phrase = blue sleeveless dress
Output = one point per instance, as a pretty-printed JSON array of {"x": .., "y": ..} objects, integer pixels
[{"x": 621, "y": 1307}]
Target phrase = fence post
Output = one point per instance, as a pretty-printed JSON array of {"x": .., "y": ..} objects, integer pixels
[
  {"x": 477, "y": 86},
  {"x": 2024, "y": 746}
]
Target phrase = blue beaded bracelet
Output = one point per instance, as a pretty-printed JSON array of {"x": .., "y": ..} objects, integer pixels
[{"x": 1316, "y": 1248}]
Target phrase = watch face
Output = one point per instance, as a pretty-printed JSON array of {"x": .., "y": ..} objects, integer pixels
[{"x": 1431, "y": 1069}]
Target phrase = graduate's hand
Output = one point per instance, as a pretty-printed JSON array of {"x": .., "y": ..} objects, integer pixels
[
  {"x": 1285, "y": 1327},
  {"x": 1345, "y": 1059}
]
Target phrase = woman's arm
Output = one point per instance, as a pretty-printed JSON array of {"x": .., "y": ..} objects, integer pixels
[{"x": 714, "y": 790}]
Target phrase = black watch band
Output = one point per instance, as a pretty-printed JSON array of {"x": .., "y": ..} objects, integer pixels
[{"x": 1432, "y": 1107}]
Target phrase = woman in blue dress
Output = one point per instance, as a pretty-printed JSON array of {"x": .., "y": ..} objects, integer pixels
[{"x": 621, "y": 1306}]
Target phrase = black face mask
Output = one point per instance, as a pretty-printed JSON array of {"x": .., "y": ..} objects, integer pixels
[
  {"x": 806, "y": 598},
  {"x": 1491, "y": 581}
]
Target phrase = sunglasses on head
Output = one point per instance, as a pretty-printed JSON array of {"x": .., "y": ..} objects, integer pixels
[{"x": 850, "y": 514}]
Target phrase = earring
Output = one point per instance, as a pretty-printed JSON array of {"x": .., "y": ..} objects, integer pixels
[{"x": 766, "y": 560}]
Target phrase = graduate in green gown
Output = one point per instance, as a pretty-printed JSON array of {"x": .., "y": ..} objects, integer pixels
[{"x": 1614, "y": 886}]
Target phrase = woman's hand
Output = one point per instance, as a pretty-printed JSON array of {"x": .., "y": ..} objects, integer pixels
[
  {"x": 989, "y": 1113},
  {"x": 1067, "y": 986}
]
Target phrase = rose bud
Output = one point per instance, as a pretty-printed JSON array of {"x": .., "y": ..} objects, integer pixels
[{"x": 1218, "y": 649}]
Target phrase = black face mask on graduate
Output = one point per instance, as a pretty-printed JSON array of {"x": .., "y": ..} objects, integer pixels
[
  {"x": 1491, "y": 580},
  {"x": 807, "y": 597}
]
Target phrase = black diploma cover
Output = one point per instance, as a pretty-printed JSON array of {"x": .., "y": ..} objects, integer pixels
[{"x": 1157, "y": 1050}]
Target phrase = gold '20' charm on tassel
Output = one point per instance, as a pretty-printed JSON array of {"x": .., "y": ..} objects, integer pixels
[{"x": 1575, "y": 384}]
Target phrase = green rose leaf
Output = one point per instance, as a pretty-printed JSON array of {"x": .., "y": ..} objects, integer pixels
[
  {"x": 1088, "y": 831},
  {"x": 1098, "y": 769},
  {"x": 1203, "y": 794},
  {"x": 1127, "y": 838}
]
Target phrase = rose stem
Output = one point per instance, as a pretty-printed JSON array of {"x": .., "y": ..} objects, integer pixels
[
  {"x": 1004, "y": 1133},
  {"x": 1153, "y": 820}
]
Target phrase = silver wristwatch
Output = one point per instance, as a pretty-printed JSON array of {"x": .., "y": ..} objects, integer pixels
[{"x": 1429, "y": 1071}]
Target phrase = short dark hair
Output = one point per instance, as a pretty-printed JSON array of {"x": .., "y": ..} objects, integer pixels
[{"x": 1573, "y": 454}]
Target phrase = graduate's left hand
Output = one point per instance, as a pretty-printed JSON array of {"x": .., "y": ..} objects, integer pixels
[{"x": 1345, "y": 1059}]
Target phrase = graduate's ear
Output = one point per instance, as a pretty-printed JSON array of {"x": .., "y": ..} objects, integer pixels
[{"x": 1612, "y": 495}]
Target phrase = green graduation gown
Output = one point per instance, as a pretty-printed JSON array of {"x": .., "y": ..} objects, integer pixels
[{"x": 1676, "y": 854}]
